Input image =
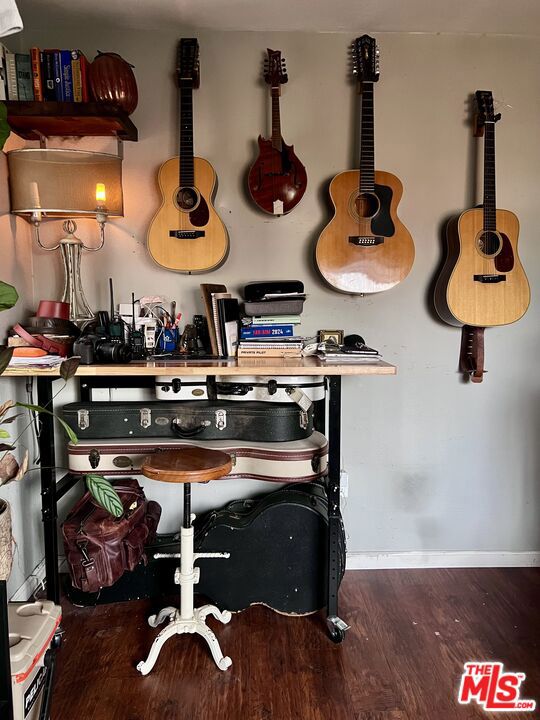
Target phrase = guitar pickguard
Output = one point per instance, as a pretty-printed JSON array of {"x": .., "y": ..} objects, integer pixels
[
  {"x": 381, "y": 223},
  {"x": 504, "y": 261},
  {"x": 200, "y": 216}
]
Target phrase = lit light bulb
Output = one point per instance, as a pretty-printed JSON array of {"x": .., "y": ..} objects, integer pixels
[{"x": 101, "y": 197}]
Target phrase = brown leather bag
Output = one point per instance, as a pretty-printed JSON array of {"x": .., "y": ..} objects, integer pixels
[{"x": 99, "y": 547}]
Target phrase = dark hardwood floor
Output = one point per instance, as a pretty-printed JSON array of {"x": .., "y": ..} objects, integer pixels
[{"x": 411, "y": 631}]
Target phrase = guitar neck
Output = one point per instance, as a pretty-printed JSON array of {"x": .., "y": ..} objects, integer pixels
[
  {"x": 276, "y": 120},
  {"x": 489, "y": 204},
  {"x": 367, "y": 140},
  {"x": 187, "y": 176}
]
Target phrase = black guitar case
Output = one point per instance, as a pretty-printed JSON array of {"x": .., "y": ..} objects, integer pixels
[{"x": 279, "y": 551}]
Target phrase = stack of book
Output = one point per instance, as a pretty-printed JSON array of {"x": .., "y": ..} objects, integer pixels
[
  {"x": 270, "y": 336},
  {"x": 222, "y": 315},
  {"x": 58, "y": 75}
]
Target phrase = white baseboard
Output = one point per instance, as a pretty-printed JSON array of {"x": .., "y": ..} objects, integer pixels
[
  {"x": 31, "y": 584},
  {"x": 440, "y": 559}
]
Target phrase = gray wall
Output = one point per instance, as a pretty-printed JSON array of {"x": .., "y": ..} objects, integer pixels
[{"x": 434, "y": 464}]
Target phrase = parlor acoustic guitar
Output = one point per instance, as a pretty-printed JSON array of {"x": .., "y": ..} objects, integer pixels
[
  {"x": 365, "y": 248},
  {"x": 186, "y": 234},
  {"x": 482, "y": 283},
  {"x": 277, "y": 180}
]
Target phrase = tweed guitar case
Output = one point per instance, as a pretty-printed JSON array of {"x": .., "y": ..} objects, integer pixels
[
  {"x": 296, "y": 461},
  {"x": 204, "y": 420},
  {"x": 279, "y": 551}
]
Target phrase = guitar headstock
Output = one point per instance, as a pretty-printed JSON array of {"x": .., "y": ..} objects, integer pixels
[
  {"x": 187, "y": 63},
  {"x": 365, "y": 59},
  {"x": 486, "y": 113},
  {"x": 275, "y": 72}
]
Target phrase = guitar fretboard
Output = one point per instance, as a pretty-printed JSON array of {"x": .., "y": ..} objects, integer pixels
[
  {"x": 489, "y": 204},
  {"x": 367, "y": 140},
  {"x": 187, "y": 177}
]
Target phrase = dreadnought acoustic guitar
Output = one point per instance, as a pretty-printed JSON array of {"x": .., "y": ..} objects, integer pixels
[
  {"x": 483, "y": 283},
  {"x": 277, "y": 180},
  {"x": 186, "y": 234},
  {"x": 365, "y": 248}
]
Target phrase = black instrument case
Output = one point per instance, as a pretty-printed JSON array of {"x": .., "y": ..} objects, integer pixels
[{"x": 200, "y": 419}]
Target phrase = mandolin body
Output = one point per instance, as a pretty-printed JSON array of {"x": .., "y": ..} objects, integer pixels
[
  {"x": 359, "y": 269},
  {"x": 205, "y": 244},
  {"x": 277, "y": 180},
  {"x": 462, "y": 300}
]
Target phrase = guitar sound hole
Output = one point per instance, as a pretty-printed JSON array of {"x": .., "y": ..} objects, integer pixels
[
  {"x": 187, "y": 198},
  {"x": 367, "y": 205},
  {"x": 489, "y": 243}
]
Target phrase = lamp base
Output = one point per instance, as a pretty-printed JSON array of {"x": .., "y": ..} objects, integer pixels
[{"x": 71, "y": 249}]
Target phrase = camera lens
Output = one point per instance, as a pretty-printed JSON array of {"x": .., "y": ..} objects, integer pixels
[{"x": 111, "y": 352}]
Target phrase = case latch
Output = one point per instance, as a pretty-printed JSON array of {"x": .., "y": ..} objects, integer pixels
[
  {"x": 221, "y": 419},
  {"x": 83, "y": 419},
  {"x": 304, "y": 420},
  {"x": 146, "y": 417},
  {"x": 94, "y": 456}
]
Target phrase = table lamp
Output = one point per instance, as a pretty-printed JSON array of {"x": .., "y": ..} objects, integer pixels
[{"x": 51, "y": 184}]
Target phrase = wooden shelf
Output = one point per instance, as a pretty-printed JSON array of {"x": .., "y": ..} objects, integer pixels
[{"x": 32, "y": 120}]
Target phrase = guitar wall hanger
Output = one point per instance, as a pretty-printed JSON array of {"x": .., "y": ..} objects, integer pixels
[{"x": 471, "y": 359}]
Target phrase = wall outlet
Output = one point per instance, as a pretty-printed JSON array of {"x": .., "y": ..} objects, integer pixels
[{"x": 344, "y": 483}]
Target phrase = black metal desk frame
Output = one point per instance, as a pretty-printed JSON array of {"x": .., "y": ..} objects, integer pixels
[{"x": 52, "y": 491}]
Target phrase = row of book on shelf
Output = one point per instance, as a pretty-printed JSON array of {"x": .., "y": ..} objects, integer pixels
[{"x": 58, "y": 75}]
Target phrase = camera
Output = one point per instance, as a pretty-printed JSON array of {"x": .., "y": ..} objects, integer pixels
[{"x": 96, "y": 345}]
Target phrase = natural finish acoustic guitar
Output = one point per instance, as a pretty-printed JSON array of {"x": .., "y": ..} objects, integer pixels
[
  {"x": 186, "y": 234},
  {"x": 483, "y": 283},
  {"x": 365, "y": 248},
  {"x": 277, "y": 180}
]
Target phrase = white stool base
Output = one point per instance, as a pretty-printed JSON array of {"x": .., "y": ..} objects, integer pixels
[{"x": 177, "y": 626}]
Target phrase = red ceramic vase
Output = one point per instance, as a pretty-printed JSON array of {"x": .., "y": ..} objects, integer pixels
[{"x": 112, "y": 82}]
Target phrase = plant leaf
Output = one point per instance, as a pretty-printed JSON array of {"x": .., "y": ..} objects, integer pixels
[
  {"x": 4, "y": 446},
  {"x": 4, "y": 434},
  {"x": 8, "y": 294},
  {"x": 4, "y": 125},
  {"x": 9, "y": 467},
  {"x": 69, "y": 367},
  {"x": 6, "y": 421},
  {"x": 37, "y": 408},
  {"x": 5, "y": 357},
  {"x": 104, "y": 494},
  {"x": 4, "y": 407},
  {"x": 23, "y": 467}
]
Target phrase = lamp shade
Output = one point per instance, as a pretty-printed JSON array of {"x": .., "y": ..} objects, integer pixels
[{"x": 65, "y": 182}]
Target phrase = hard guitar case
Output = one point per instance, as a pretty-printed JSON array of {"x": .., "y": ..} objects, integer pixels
[{"x": 204, "y": 420}]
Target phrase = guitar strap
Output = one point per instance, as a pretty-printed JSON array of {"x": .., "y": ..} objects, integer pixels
[{"x": 471, "y": 359}]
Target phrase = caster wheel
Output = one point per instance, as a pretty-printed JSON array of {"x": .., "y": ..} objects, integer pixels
[
  {"x": 337, "y": 635},
  {"x": 56, "y": 641}
]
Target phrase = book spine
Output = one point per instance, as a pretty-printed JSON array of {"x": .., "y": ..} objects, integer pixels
[
  {"x": 84, "y": 78},
  {"x": 67, "y": 78},
  {"x": 35, "y": 57},
  {"x": 3, "y": 73},
  {"x": 24, "y": 76},
  {"x": 77, "y": 77},
  {"x": 11, "y": 72},
  {"x": 266, "y": 331},
  {"x": 243, "y": 352},
  {"x": 47, "y": 75},
  {"x": 278, "y": 320},
  {"x": 57, "y": 74}
]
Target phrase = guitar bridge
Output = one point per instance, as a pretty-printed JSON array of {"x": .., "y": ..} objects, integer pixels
[
  {"x": 366, "y": 240},
  {"x": 490, "y": 278},
  {"x": 186, "y": 234}
]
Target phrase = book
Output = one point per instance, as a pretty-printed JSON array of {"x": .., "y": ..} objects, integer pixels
[
  {"x": 206, "y": 293},
  {"x": 35, "y": 58},
  {"x": 215, "y": 319},
  {"x": 228, "y": 312},
  {"x": 11, "y": 73},
  {"x": 276, "y": 320},
  {"x": 3, "y": 73},
  {"x": 56, "y": 74},
  {"x": 67, "y": 77},
  {"x": 268, "y": 352},
  {"x": 47, "y": 75},
  {"x": 266, "y": 331},
  {"x": 79, "y": 65},
  {"x": 23, "y": 65}
]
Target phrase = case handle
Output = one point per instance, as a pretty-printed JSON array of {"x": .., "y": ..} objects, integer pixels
[
  {"x": 233, "y": 389},
  {"x": 179, "y": 431}
]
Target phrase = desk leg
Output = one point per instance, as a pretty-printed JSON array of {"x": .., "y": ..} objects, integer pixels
[
  {"x": 48, "y": 488},
  {"x": 337, "y": 627},
  {"x": 6, "y": 698}
]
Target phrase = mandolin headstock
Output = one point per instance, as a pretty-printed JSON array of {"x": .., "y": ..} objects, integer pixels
[
  {"x": 365, "y": 59},
  {"x": 187, "y": 63},
  {"x": 275, "y": 72}
]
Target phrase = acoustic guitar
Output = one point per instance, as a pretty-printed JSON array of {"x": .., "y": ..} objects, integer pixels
[
  {"x": 186, "y": 234},
  {"x": 365, "y": 248},
  {"x": 277, "y": 180},
  {"x": 483, "y": 283}
]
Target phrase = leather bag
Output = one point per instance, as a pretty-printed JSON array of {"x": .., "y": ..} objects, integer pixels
[{"x": 99, "y": 547}]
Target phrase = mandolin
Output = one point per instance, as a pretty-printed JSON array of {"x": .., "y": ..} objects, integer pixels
[
  {"x": 186, "y": 234},
  {"x": 365, "y": 248},
  {"x": 483, "y": 283},
  {"x": 277, "y": 180}
]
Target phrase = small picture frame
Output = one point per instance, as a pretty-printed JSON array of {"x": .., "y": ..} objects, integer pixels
[{"x": 331, "y": 336}]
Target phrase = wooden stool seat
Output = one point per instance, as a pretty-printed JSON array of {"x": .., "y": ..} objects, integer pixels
[{"x": 187, "y": 465}]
